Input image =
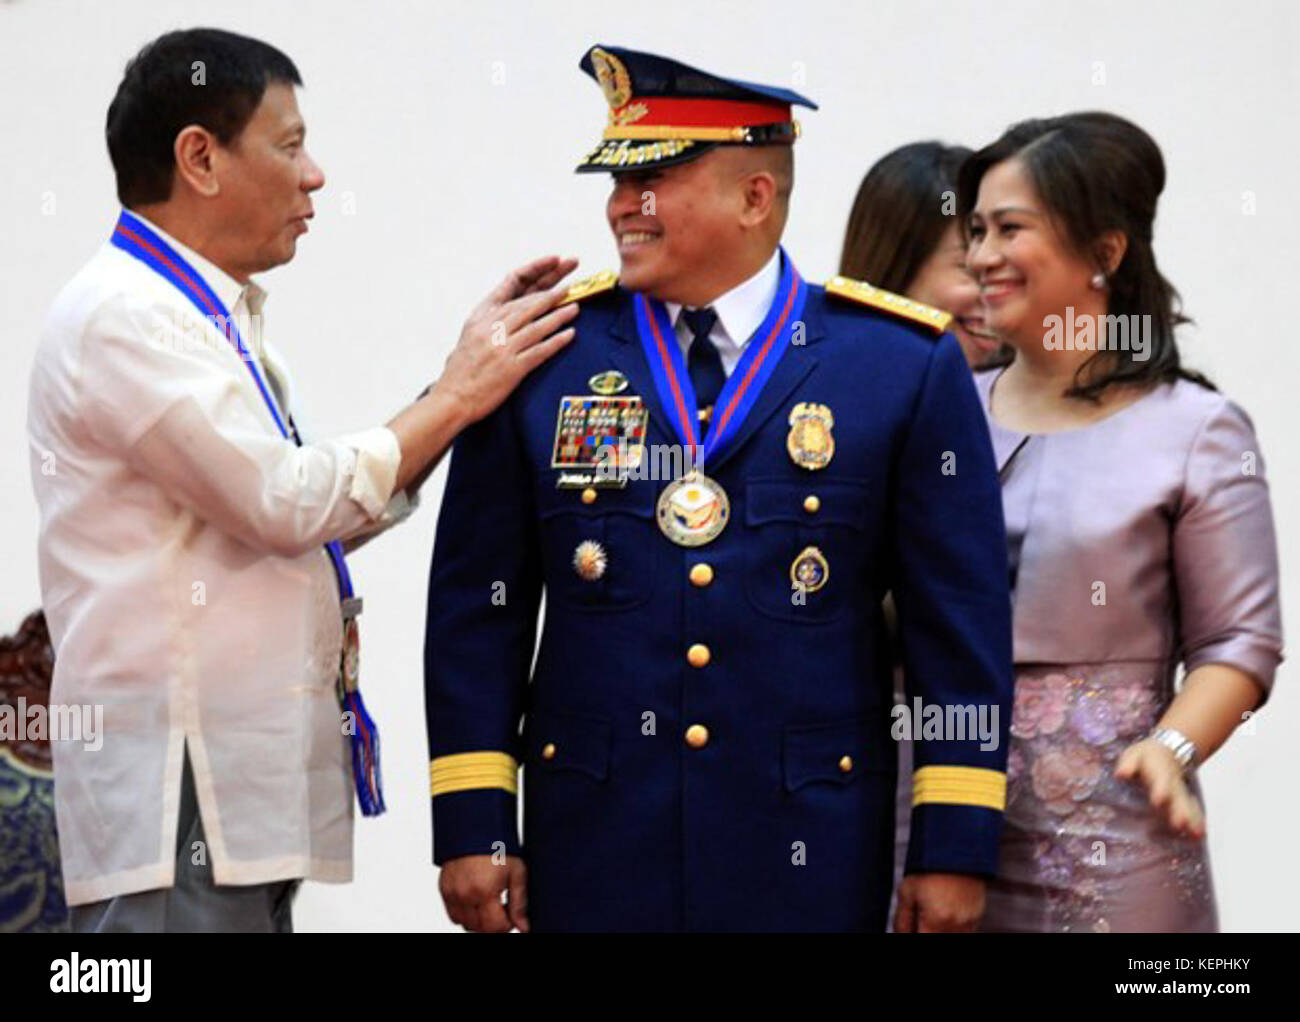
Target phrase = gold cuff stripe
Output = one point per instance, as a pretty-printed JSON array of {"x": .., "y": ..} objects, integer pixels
[
  {"x": 466, "y": 771},
  {"x": 960, "y": 786}
]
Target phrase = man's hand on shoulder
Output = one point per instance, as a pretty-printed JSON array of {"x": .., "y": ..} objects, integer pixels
[
  {"x": 517, "y": 327},
  {"x": 939, "y": 903},
  {"x": 471, "y": 888}
]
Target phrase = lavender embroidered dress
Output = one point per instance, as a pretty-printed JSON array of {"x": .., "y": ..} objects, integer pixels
[{"x": 1137, "y": 543}]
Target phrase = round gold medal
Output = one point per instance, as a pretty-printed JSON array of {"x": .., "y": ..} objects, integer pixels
[{"x": 693, "y": 510}]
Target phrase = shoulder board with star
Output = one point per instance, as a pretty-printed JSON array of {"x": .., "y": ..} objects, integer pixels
[
  {"x": 886, "y": 301},
  {"x": 602, "y": 281}
]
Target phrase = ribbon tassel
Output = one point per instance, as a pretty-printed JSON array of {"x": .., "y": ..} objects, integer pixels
[{"x": 365, "y": 756}]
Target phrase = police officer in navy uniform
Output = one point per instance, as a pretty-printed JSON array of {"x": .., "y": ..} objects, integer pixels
[{"x": 714, "y": 485}]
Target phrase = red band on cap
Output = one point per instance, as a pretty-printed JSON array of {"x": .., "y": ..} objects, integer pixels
[{"x": 702, "y": 113}]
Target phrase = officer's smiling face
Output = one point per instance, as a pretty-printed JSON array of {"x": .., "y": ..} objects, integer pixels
[{"x": 674, "y": 227}]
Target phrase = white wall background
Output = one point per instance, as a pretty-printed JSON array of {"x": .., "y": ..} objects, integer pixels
[{"x": 451, "y": 130}]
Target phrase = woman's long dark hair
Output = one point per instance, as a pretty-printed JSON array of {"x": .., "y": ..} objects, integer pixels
[
  {"x": 903, "y": 206},
  {"x": 1096, "y": 172}
]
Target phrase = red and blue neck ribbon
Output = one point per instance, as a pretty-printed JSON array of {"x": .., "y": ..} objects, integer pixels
[
  {"x": 761, "y": 354},
  {"x": 134, "y": 237}
]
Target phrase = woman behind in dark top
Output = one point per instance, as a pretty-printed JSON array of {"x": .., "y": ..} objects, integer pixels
[{"x": 904, "y": 236}]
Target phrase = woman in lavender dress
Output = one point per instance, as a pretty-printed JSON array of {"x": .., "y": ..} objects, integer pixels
[{"x": 1139, "y": 532}]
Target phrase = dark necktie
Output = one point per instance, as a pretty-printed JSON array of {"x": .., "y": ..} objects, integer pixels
[{"x": 704, "y": 363}]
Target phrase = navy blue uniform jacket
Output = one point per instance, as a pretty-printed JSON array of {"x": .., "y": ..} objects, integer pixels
[{"x": 784, "y": 818}]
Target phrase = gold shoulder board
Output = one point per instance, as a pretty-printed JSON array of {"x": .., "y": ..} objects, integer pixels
[
  {"x": 602, "y": 281},
  {"x": 886, "y": 301}
]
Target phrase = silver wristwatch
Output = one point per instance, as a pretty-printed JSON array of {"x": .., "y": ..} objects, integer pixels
[{"x": 1183, "y": 748}]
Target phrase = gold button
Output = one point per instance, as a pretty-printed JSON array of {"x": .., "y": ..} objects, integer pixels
[
  {"x": 697, "y": 736},
  {"x": 846, "y": 764},
  {"x": 588, "y": 496},
  {"x": 698, "y": 655},
  {"x": 548, "y": 750},
  {"x": 812, "y": 503},
  {"x": 701, "y": 574}
]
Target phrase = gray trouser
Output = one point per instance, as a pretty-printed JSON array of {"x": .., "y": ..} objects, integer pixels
[{"x": 194, "y": 904}]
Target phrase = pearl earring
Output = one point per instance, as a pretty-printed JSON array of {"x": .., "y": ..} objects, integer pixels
[{"x": 1098, "y": 282}]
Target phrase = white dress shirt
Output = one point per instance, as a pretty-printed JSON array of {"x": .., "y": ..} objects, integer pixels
[
  {"x": 740, "y": 311},
  {"x": 186, "y": 586}
]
